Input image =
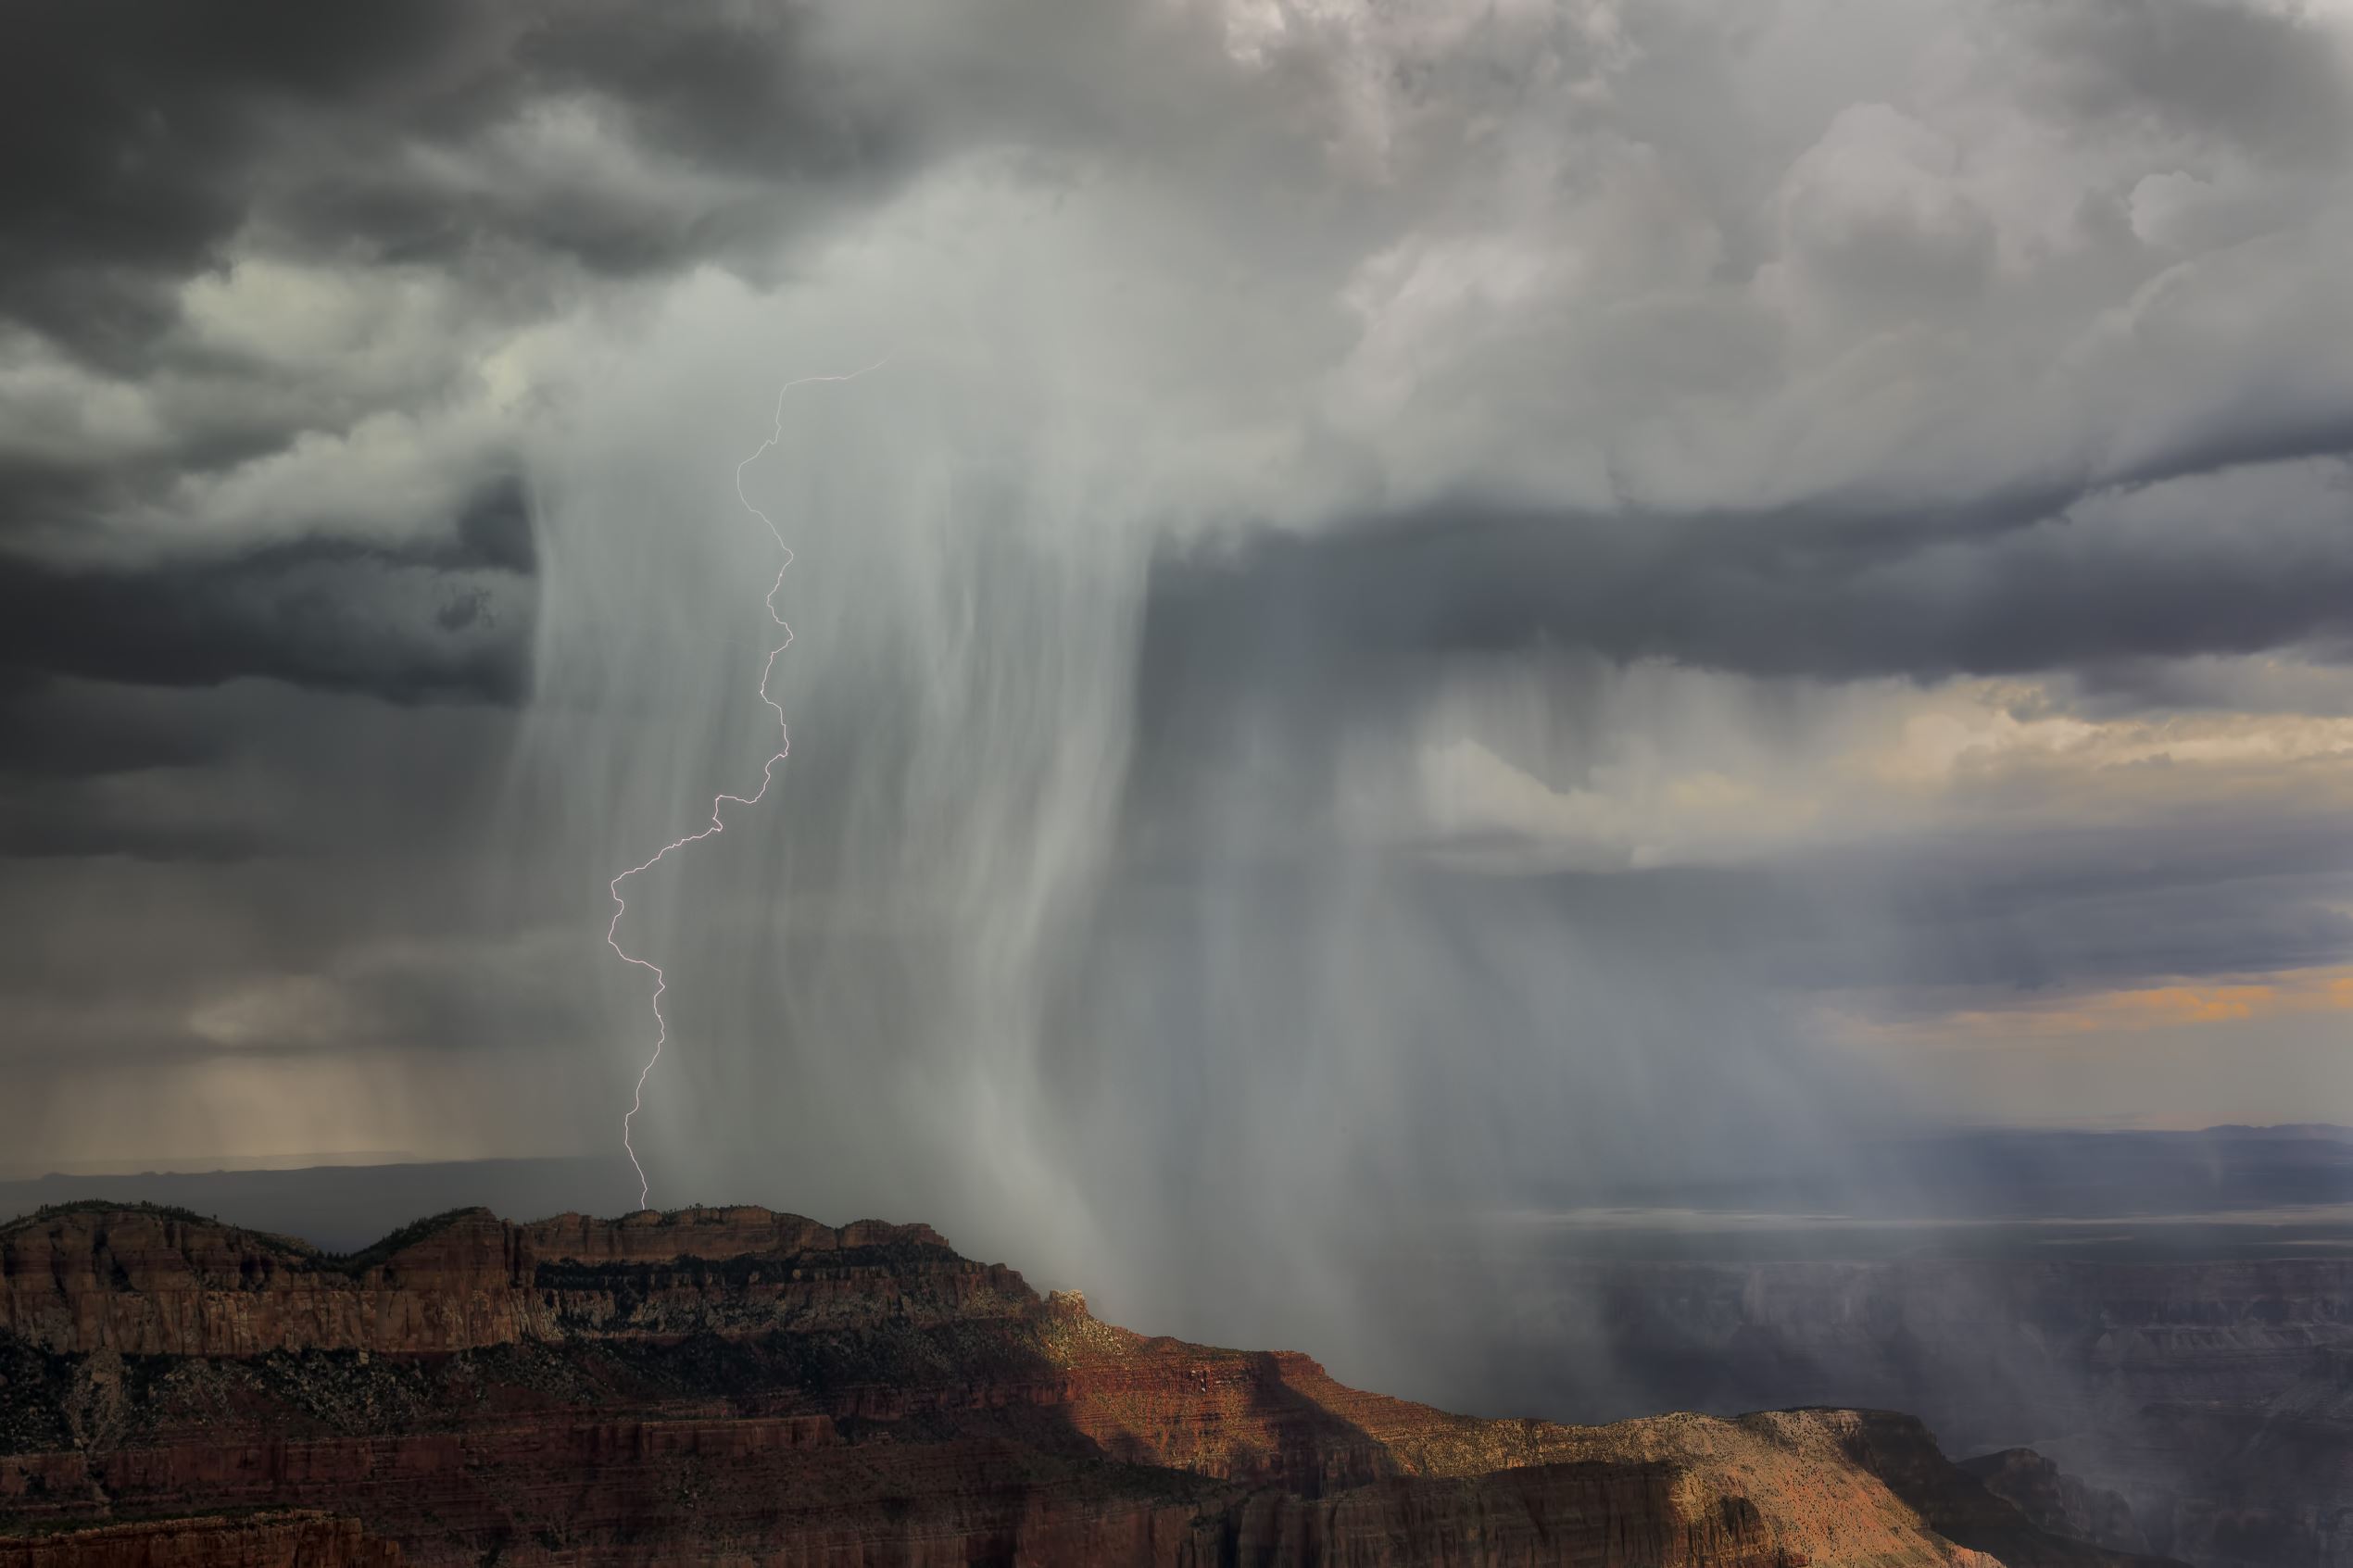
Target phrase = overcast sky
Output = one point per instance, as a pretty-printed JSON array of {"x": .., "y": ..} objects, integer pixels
[{"x": 1424, "y": 593}]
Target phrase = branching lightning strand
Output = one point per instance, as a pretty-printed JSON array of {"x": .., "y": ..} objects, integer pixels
[{"x": 767, "y": 775}]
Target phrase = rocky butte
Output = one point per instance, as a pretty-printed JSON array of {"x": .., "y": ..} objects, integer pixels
[{"x": 733, "y": 1385}]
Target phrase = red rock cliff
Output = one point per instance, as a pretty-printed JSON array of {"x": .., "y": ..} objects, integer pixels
[
  {"x": 742, "y": 1386},
  {"x": 142, "y": 1283}
]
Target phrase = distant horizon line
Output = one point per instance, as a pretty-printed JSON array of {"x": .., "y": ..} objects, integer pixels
[{"x": 225, "y": 1165}]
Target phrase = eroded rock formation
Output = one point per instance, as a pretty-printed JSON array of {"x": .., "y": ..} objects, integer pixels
[{"x": 739, "y": 1385}]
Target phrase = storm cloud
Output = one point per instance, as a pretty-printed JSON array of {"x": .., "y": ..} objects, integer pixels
[{"x": 1418, "y": 603}]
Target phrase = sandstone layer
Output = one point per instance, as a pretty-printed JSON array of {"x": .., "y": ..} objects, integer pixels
[{"x": 735, "y": 1386}]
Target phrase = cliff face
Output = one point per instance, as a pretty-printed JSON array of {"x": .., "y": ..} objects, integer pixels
[{"x": 733, "y": 1385}]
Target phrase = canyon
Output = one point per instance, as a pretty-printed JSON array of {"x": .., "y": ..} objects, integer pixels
[
  {"x": 2211, "y": 1399},
  {"x": 740, "y": 1385}
]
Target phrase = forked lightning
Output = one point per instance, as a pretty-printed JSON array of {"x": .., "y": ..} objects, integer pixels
[{"x": 767, "y": 776}]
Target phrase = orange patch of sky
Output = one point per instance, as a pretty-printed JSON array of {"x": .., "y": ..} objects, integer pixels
[{"x": 2175, "y": 1004}]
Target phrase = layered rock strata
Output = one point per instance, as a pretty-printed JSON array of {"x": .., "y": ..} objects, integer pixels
[{"x": 742, "y": 1386}]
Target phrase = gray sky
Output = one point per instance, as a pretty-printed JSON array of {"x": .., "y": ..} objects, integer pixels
[{"x": 1431, "y": 599}]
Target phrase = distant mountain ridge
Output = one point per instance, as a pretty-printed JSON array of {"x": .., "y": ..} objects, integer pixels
[
  {"x": 1973, "y": 1173},
  {"x": 345, "y": 1208},
  {"x": 1997, "y": 1173}
]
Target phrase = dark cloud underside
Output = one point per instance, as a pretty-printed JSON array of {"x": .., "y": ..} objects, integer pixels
[{"x": 1768, "y": 595}]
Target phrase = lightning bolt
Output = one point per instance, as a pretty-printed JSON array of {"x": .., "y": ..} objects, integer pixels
[{"x": 767, "y": 775}]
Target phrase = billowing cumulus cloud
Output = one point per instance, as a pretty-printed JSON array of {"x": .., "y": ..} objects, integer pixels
[{"x": 1429, "y": 604}]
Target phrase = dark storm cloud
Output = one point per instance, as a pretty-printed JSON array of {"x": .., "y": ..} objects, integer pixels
[
  {"x": 214, "y": 702},
  {"x": 403, "y": 625},
  {"x": 282, "y": 286},
  {"x": 47, "y": 820},
  {"x": 131, "y": 135},
  {"x": 2143, "y": 686},
  {"x": 494, "y": 532},
  {"x": 1977, "y": 915},
  {"x": 728, "y": 87},
  {"x": 143, "y": 147},
  {"x": 1261, "y": 662},
  {"x": 1997, "y": 911},
  {"x": 2020, "y": 938},
  {"x": 66, "y": 729},
  {"x": 1983, "y": 591},
  {"x": 136, "y": 140},
  {"x": 2023, "y": 912}
]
